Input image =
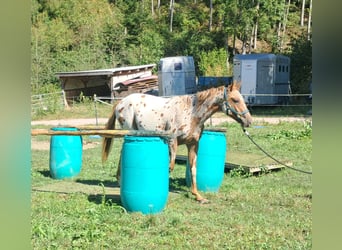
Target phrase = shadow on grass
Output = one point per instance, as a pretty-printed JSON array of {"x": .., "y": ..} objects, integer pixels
[
  {"x": 45, "y": 173},
  {"x": 177, "y": 185},
  {"x": 99, "y": 183},
  {"x": 107, "y": 199}
]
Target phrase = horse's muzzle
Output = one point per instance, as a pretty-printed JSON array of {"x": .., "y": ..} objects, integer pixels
[{"x": 246, "y": 120}]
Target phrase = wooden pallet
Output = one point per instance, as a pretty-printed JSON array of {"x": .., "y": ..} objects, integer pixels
[
  {"x": 254, "y": 169},
  {"x": 248, "y": 169}
]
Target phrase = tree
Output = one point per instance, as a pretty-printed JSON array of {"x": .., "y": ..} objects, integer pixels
[
  {"x": 73, "y": 35},
  {"x": 149, "y": 50},
  {"x": 211, "y": 15},
  {"x": 171, "y": 13},
  {"x": 254, "y": 37},
  {"x": 282, "y": 27},
  {"x": 301, "y": 64},
  {"x": 309, "y": 21},
  {"x": 302, "y": 13},
  {"x": 213, "y": 63}
]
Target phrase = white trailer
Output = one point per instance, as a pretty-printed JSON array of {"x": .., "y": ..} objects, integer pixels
[
  {"x": 263, "y": 77},
  {"x": 176, "y": 76}
]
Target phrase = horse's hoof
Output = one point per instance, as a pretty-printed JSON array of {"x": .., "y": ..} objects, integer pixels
[{"x": 203, "y": 201}]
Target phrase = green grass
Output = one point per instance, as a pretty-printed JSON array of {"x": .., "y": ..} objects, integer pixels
[
  {"x": 86, "y": 109},
  {"x": 267, "y": 211}
]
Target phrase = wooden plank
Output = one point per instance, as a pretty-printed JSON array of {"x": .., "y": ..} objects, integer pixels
[
  {"x": 181, "y": 158},
  {"x": 71, "y": 187},
  {"x": 249, "y": 169},
  {"x": 103, "y": 132},
  {"x": 255, "y": 169}
]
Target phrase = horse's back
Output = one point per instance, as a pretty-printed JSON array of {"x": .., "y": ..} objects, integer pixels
[
  {"x": 143, "y": 112},
  {"x": 144, "y": 102}
]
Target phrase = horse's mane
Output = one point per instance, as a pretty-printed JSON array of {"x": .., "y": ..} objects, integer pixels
[
  {"x": 204, "y": 95},
  {"x": 213, "y": 92}
]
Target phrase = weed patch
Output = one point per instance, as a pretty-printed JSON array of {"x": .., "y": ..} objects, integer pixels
[{"x": 306, "y": 132}]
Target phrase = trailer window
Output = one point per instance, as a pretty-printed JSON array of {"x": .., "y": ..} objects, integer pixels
[
  {"x": 178, "y": 66},
  {"x": 279, "y": 69}
]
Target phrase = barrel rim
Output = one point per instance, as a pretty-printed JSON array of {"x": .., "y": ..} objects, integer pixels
[
  {"x": 143, "y": 138},
  {"x": 64, "y": 129},
  {"x": 216, "y": 129},
  {"x": 212, "y": 132}
]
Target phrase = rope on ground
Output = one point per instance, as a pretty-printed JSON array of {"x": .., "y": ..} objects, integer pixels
[{"x": 281, "y": 163}]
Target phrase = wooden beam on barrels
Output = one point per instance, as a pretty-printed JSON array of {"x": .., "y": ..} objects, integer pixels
[{"x": 101, "y": 132}]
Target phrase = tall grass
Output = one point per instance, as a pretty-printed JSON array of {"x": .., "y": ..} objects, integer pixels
[
  {"x": 84, "y": 108},
  {"x": 267, "y": 211}
]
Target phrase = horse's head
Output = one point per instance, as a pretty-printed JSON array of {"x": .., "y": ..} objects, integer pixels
[{"x": 235, "y": 106}]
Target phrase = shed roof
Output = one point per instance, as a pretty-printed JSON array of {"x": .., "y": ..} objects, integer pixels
[
  {"x": 140, "y": 79},
  {"x": 106, "y": 72}
]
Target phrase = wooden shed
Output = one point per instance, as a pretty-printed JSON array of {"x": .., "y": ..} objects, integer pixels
[{"x": 105, "y": 82}]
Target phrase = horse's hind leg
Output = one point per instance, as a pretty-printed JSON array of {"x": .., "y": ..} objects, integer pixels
[{"x": 118, "y": 171}]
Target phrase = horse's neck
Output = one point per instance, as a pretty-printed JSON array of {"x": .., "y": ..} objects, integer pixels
[{"x": 208, "y": 103}]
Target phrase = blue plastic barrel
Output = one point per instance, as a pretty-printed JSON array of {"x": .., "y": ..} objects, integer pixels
[
  {"x": 65, "y": 154},
  {"x": 144, "y": 174},
  {"x": 210, "y": 161}
]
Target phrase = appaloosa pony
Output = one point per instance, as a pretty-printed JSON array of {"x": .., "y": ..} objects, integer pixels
[{"x": 183, "y": 116}]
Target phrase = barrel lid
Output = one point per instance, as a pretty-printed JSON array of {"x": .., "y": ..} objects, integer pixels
[
  {"x": 132, "y": 138},
  {"x": 216, "y": 129},
  {"x": 64, "y": 129}
]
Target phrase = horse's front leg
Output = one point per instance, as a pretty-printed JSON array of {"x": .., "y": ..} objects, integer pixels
[
  {"x": 173, "y": 152},
  {"x": 192, "y": 160}
]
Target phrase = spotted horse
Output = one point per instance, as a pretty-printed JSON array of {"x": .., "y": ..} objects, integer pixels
[{"x": 182, "y": 116}]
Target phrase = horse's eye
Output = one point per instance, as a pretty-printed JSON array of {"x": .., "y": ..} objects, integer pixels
[{"x": 235, "y": 100}]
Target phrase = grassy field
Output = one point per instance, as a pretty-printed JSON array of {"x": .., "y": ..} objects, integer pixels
[{"x": 267, "y": 211}]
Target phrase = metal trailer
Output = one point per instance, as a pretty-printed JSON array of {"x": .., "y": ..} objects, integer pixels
[
  {"x": 263, "y": 77},
  {"x": 176, "y": 76}
]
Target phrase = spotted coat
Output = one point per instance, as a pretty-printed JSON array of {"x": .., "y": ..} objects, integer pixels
[{"x": 182, "y": 116}]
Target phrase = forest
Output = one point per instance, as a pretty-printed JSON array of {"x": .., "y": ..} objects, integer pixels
[{"x": 72, "y": 35}]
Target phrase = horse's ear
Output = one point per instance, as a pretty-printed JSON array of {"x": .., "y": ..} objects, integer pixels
[
  {"x": 234, "y": 85},
  {"x": 237, "y": 85}
]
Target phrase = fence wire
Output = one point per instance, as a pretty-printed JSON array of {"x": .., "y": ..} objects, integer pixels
[{"x": 47, "y": 103}]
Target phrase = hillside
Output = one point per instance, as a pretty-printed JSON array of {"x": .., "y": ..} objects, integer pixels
[{"x": 74, "y": 35}]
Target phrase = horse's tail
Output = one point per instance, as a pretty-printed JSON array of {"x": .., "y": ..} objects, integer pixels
[{"x": 107, "y": 141}]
